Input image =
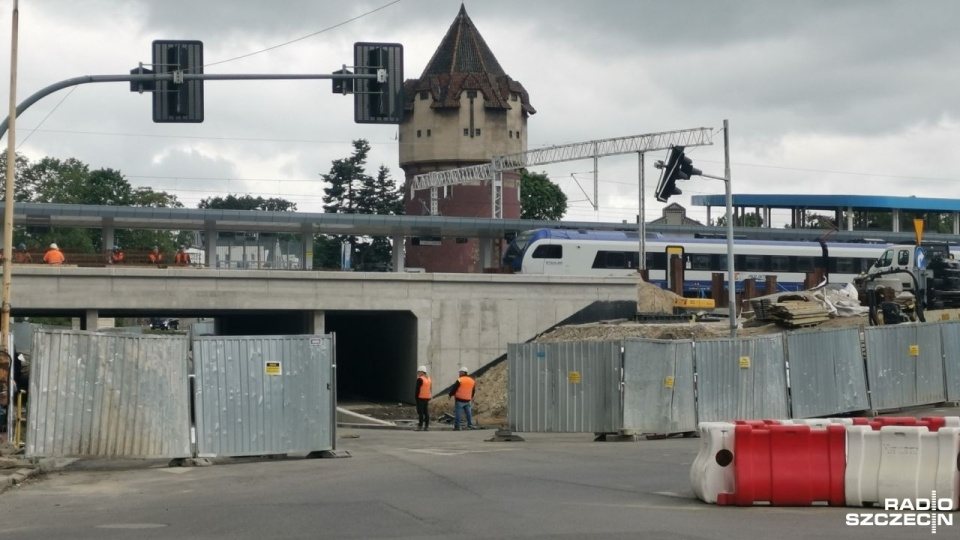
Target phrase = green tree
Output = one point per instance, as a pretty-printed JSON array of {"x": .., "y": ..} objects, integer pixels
[
  {"x": 248, "y": 202},
  {"x": 753, "y": 219},
  {"x": 350, "y": 190},
  {"x": 540, "y": 198}
]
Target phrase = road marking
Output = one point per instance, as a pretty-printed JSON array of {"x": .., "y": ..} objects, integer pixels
[
  {"x": 132, "y": 526},
  {"x": 177, "y": 470},
  {"x": 454, "y": 451}
]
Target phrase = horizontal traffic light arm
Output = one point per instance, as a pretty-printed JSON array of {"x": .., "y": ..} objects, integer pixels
[{"x": 87, "y": 79}]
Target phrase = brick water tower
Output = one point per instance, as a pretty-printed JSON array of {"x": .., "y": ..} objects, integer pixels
[{"x": 463, "y": 110}]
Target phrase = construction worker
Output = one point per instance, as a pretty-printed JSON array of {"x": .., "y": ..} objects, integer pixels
[
  {"x": 463, "y": 391},
  {"x": 21, "y": 255},
  {"x": 54, "y": 256},
  {"x": 422, "y": 394},
  {"x": 117, "y": 256},
  {"x": 155, "y": 256},
  {"x": 182, "y": 258}
]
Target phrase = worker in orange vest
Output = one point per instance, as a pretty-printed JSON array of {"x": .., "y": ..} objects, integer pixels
[
  {"x": 117, "y": 256},
  {"x": 463, "y": 391},
  {"x": 155, "y": 256},
  {"x": 423, "y": 393},
  {"x": 182, "y": 258},
  {"x": 54, "y": 256}
]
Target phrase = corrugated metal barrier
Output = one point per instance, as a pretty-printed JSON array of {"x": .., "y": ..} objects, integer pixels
[
  {"x": 826, "y": 373},
  {"x": 741, "y": 379},
  {"x": 117, "y": 395},
  {"x": 950, "y": 334},
  {"x": 904, "y": 365},
  {"x": 257, "y": 395},
  {"x": 567, "y": 387},
  {"x": 658, "y": 386}
]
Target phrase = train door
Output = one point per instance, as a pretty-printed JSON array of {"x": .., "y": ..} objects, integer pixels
[{"x": 672, "y": 253}]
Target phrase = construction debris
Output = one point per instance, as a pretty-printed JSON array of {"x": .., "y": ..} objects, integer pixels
[{"x": 798, "y": 313}]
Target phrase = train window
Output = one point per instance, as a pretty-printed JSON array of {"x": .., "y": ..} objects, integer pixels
[
  {"x": 611, "y": 259},
  {"x": 656, "y": 261},
  {"x": 721, "y": 263},
  {"x": 805, "y": 264},
  {"x": 548, "y": 252},
  {"x": 753, "y": 263},
  {"x": 699, "y": 262},
  {"x": 903, "y": 257},
  {"x": 779, "y": 263},
  {"x": 844, "y": 265}
]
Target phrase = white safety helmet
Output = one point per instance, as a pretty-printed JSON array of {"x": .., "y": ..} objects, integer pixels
[
  {"x": 463, "y": 369},
  {"x": 422, "y": 369},
  {"x": 53, "y": 246}
]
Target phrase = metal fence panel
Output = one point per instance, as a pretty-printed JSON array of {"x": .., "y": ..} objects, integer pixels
[
  {"x": 950, "y": 335},
  {"x": 99, "y": 395},
  {"x": 904, "y": 366},
  {"x": 258, "y": 395},
  {"x": 741, "y": 379},
  {"x": 658, "y": 386},
  {"x": 826, "y": 372},
  {"x": 565, "y": 387}
]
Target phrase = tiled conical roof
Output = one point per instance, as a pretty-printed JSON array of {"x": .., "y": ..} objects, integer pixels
[{"x": 464, "y": 62}]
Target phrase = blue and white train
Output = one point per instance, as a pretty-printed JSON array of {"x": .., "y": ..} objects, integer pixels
[{"x": 616, "y": 253}]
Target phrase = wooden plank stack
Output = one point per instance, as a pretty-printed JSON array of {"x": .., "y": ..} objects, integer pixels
[{"x": 798, "y": 313}]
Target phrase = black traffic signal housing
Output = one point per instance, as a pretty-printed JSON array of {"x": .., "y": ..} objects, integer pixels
[
  {"x": 178, "y": 101},
  {"x": 677, "y": 167},
  {"x": 380, "y": 100}
]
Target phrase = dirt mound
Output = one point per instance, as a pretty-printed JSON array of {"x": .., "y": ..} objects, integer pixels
[{"x": 653, "y": 299}]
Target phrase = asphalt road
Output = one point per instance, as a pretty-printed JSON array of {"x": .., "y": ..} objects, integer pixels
[{"x": 403, "y": 484}]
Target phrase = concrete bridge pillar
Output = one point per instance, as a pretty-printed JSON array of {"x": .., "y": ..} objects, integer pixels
[
  {"x": 306, "y": 251},
  {"x": 210, "y": 243},
  {"x": 316, "y": 322},
  {"x": 89, "y": 320},
  {"x": 398, "y": 255},
  {"x": 108, "y": 237}
]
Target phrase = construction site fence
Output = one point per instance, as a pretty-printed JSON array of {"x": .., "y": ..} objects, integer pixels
[
  {"x": 659, "y": 386},
  {"x": 122, "y": 395}
]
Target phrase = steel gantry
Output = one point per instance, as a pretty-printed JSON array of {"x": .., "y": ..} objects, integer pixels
[{"x": 493, "y": 171}]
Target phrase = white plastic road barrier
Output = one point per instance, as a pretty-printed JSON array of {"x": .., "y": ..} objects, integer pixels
[
  {"x": 821, "y": 423},
  {"x": 712, "y": 470},
  {"x": 901, "y": 462}
]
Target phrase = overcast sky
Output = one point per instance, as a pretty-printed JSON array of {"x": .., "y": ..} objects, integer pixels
[{"x": 852, "y": 97}]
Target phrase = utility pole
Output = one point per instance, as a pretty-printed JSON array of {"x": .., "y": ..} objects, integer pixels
[{"x": 8, "y": 193}]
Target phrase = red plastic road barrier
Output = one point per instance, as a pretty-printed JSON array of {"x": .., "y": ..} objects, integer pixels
[
  {"x": 756, "y": 423},
  {"x": 788, "y": 466},
  {"x": 934, "y": 422}
]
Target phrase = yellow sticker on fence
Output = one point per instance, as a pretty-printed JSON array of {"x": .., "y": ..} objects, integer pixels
[
  {"x": 668, "y": 382},
  {"x": 574, "y": 377},
  {"x": 273, "y": 368},
  {"x": 744, "y": 362},
  {"x": 914, "y": 350}
]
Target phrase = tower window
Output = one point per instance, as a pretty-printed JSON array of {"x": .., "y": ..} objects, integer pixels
[
  {"x": 513, "y": 97},
  {"x": 511, "y": 133},
  {"x": 424, "y": 95},
  {"x": 418, "y": 133},
  {"x": 472, "y": 94},
  {"x": 477, "y": 132},
  {"x": 428, "y": 133},
  {"x": 466, "y": 132}
]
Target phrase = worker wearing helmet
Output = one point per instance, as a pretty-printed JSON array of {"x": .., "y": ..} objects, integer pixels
[
  {"x": 422, "y": 395},
  {"x": 117, "y": 256},
  {"x": 21, "y": 255},
  {"x": 182, "y": 258},
  {"x": 54, "y": 256},
  {"x": 155, "y": 256},
  {"x": 463, "y": 391}
]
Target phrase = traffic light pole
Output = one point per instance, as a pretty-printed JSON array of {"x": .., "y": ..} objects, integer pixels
[
  {"x": 731, "y": 276},
  {"x": 11, "y": 119}
]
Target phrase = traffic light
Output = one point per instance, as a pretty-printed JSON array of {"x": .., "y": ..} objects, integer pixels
[
  {"x": 178, "y": 100},
  {"x": 677, "y": 167},
  {"x": 380, "y": 100}
]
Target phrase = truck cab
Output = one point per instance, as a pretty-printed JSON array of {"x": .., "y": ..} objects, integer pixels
[{"x": 908, "y": 257}]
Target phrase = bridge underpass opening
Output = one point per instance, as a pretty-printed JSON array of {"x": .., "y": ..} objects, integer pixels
[{"x": 376, "y": 354}]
